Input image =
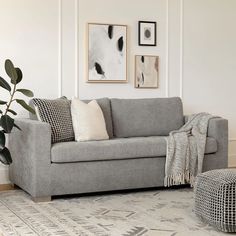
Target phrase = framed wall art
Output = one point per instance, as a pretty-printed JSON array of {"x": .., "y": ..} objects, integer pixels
[
  {"x": 147, "y": 33},
  {"x": 146, "y": 71},
  {"x": 107, "y": 53}
]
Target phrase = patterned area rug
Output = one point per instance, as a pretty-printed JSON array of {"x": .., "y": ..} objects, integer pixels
[{"x": 149, "y": 213}]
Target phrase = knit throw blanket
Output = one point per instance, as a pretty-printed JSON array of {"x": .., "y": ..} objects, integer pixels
[{"x": 185, "y": 150}]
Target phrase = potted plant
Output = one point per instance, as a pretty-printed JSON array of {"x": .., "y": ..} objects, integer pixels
[{"x": 6, "y": 121}]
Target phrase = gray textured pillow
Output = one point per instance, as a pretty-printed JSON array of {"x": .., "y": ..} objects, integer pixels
[{"x": 58, "y": 114}]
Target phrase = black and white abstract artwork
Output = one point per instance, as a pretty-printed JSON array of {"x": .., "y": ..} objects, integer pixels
[
  {"x": 146, "y": 71},
  {"x": 107, "y": 53}
]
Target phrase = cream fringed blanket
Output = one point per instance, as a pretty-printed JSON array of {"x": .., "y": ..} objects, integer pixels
[{"x": 185, "y": 150}]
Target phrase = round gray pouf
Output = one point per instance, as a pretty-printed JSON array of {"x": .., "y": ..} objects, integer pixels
[{"x": 215, "y": 198}]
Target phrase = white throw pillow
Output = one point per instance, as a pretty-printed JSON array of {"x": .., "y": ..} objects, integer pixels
[{"x": 88, "y": 121}]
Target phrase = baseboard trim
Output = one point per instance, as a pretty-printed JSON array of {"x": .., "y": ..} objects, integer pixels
[
  {"x": 5, "y": 187},
  {"x": 4, "y": 175},
  {"x": 232, "y": 160}
]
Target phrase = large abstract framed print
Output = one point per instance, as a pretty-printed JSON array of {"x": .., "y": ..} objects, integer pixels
[{"x": 107, "y": 53}]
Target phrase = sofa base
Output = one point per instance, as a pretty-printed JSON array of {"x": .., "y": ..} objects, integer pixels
[
  {"x": 112, "y": 175},
  {"x": 99, "y": 176},
  {"x": 41, "y": 199}
]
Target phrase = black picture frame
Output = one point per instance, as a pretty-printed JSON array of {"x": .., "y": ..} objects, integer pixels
[{"x": 152, "y": 31}]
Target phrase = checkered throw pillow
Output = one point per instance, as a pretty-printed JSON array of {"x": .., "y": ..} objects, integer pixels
[{"x": 58, "y": 114}]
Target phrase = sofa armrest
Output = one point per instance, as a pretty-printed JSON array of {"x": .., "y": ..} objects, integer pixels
[
  {"x": 31, "y": 153},
  {"x": 218, "y": 129}
]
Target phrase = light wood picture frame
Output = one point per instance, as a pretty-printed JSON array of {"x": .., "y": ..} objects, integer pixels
[
  {"x": 106, "y": 53},
  {"x": 146, "y": 71}
]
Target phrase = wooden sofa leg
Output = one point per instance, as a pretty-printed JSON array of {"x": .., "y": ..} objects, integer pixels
[
  {"x": 42, "y": 199},
  {"x": 14, "y": 186}
]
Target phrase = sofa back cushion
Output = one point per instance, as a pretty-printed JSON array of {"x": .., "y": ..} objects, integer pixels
[{"x": 146, "y": 117}]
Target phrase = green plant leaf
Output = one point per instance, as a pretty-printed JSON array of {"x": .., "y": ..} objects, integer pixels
[
  {"x": 3, "y": 102},
  {"x": 2, "y": 140},
  {"x": 19, "y": 75},
  {"x": 17, "y": 127},
  {"x": 12, "y": 112},
  {"x": 5, "y": 156},
  {"x": 11, "y": 71},
  {"x": 26, "y": 106},
  {"x": 7, "y": 123},
  {"x": 0, "y": 111},
  {"x": 4, "y": 84},
  {"x": 26, "y": 92}
]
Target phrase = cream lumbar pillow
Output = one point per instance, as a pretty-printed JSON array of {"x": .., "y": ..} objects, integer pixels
[{"x": 88, "y": 121}]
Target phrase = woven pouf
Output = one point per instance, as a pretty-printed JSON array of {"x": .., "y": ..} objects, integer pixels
[{"x": 215, "y": 198}]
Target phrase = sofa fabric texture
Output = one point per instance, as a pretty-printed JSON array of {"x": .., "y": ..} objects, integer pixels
[
  {"x": 30, "y": 150},
  {"x": 57, "y": 113},
  {"x": 146, "y": 117},
  {"x": 118, "y": 148},
  {"x": 45, "y": 169},
  {"x": 85, "y": 177}
]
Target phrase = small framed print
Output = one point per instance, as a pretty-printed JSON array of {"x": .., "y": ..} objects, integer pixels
[
  {"x": 146, "y": 71},
  {"x": 147, "y": 33}
]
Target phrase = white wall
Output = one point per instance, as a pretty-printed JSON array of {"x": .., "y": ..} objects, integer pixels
[
  {"x": 29, "y": 36},
  {"x": 209, "y": 63},
  {"x": 195, "y": 43},
  {"x": 123, "y": 12}
]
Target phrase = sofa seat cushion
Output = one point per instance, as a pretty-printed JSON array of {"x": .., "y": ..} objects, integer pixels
[{"x": 119, "y": 148}]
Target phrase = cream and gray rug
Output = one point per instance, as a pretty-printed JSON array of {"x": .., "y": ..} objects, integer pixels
[{"x": 149, "y": 213}]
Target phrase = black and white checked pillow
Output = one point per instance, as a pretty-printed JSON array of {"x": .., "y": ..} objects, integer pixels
[{"x": 57, "y": 113}]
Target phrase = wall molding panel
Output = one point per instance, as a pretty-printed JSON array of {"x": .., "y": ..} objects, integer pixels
[
  {"x": 76, "y": 92},
  {"x": 167, "y": 48},
  {"x": 181, "y": 48},
  {"x": 59, "y": 48}
]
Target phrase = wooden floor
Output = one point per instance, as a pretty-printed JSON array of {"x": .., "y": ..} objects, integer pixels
[{"x": 4, "y": 187}]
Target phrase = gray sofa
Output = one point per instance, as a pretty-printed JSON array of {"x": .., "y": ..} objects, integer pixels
[{"x": 134, "y": 157}]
